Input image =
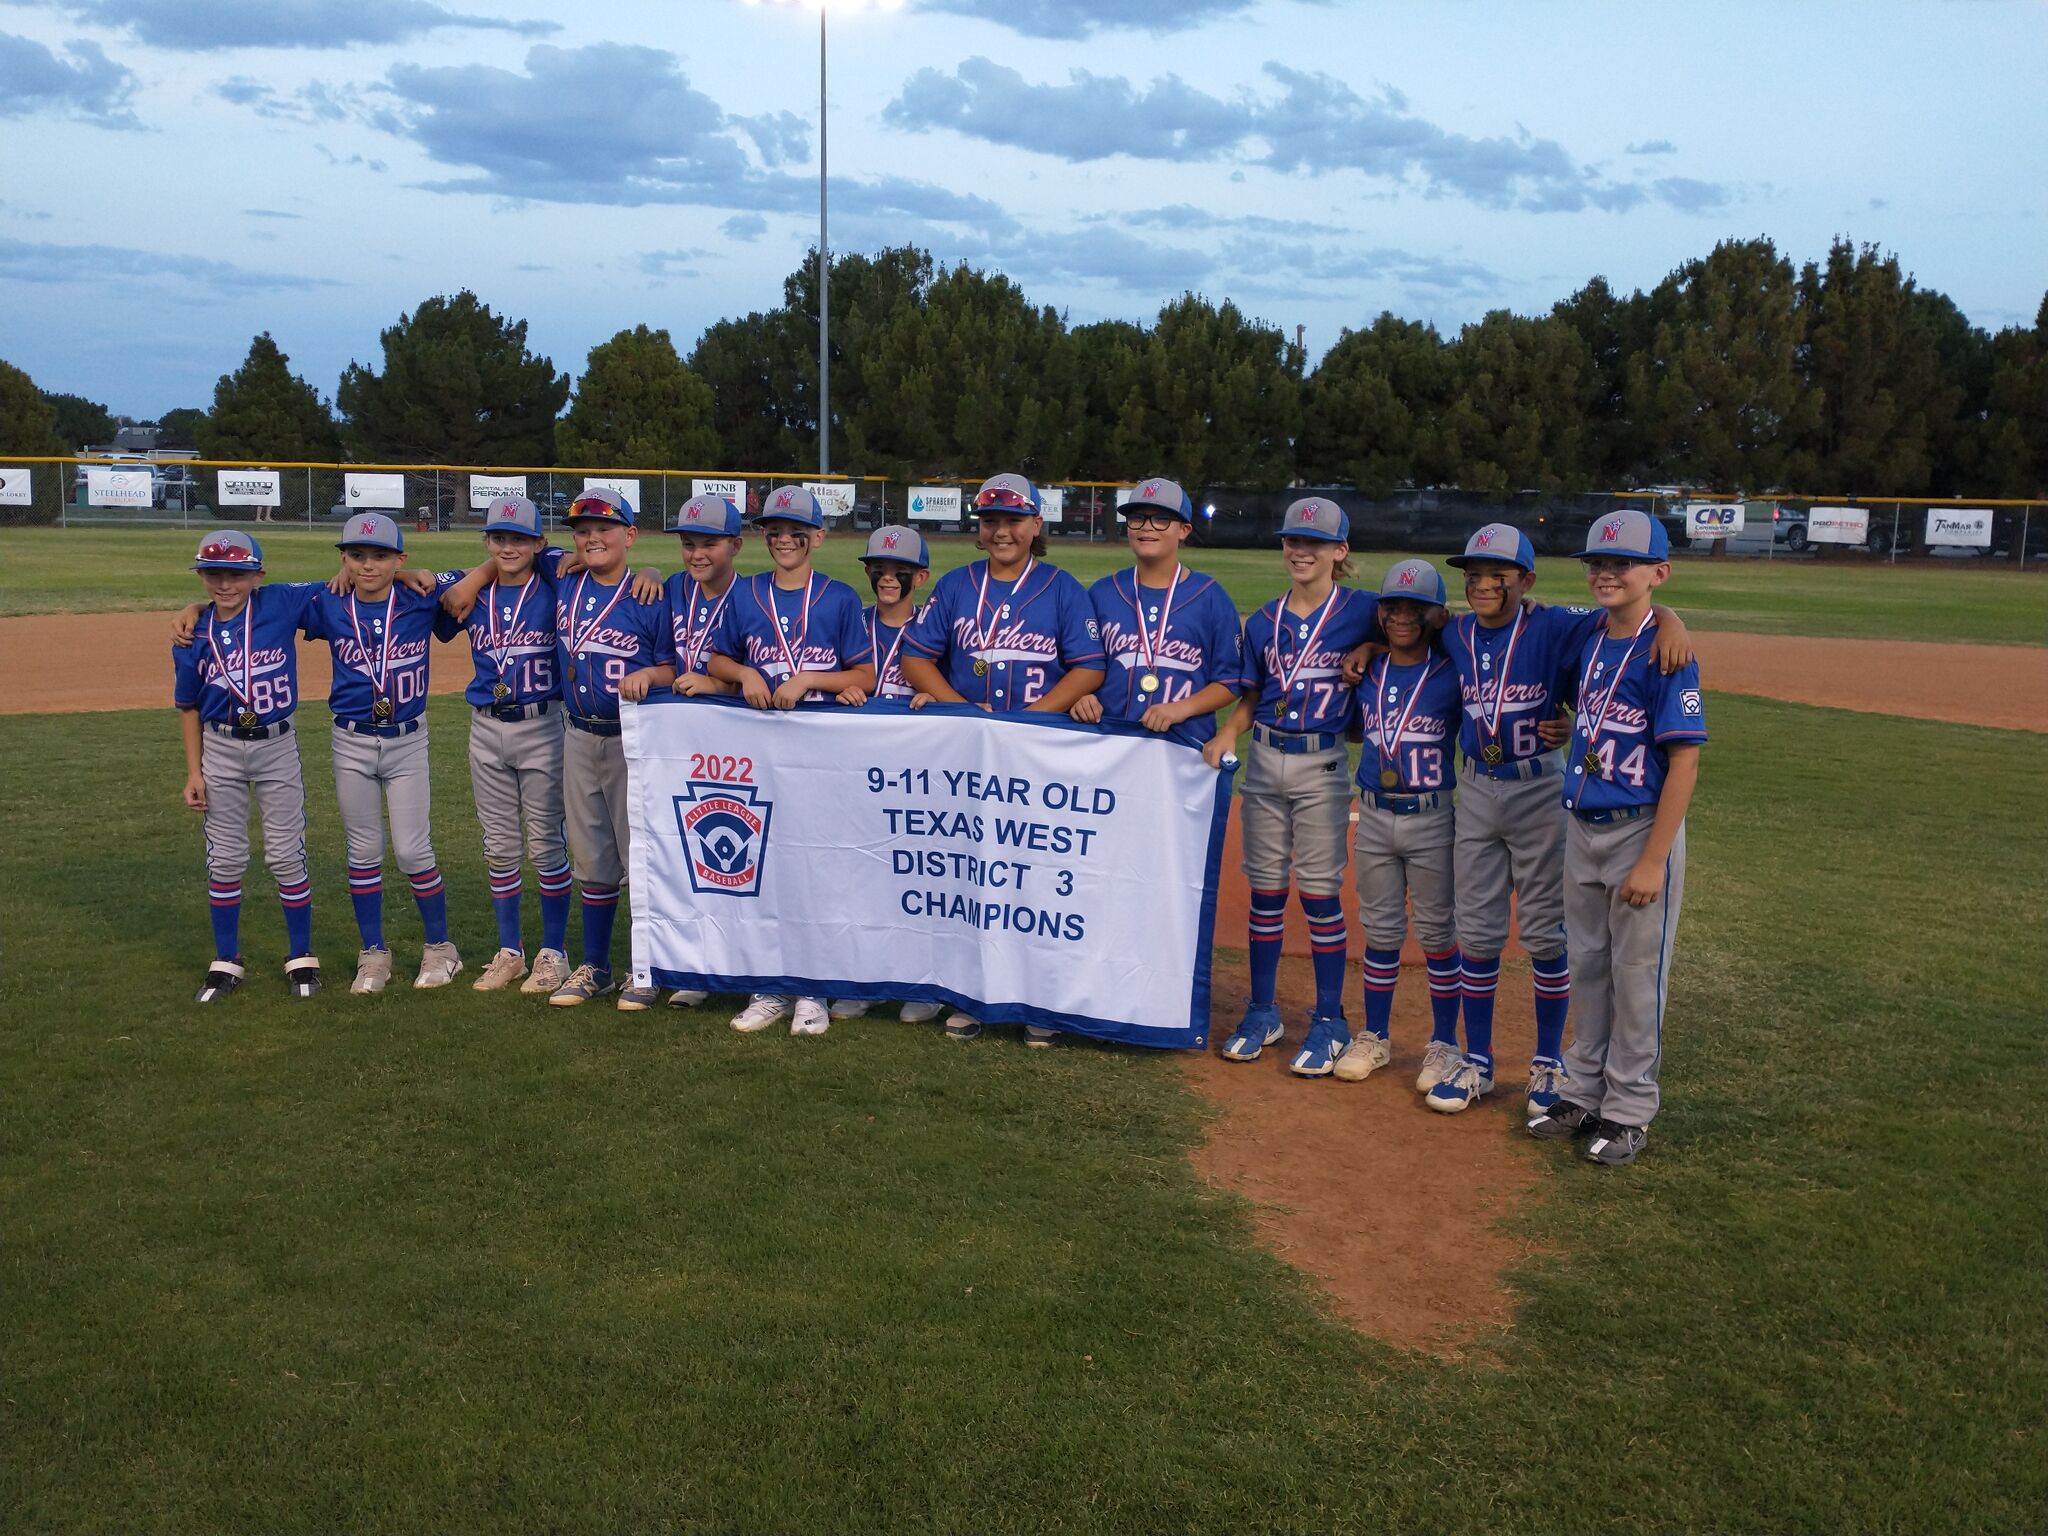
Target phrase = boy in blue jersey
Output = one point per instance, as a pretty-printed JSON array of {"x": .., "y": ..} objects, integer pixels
[
  {"x": 1006, "y": 633},
  {"x": 1295, "y": 804},
  {"x": 1170, "y": 636},
  {"x": 791, "y": 636},
  {"x": 1401, "y": 851},
  {"x": 236, "y": 689},
  {"x": 1630, "y": 770}
]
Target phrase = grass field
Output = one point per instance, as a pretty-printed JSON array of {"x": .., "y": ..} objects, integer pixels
[
  {"x": 466, "y": 1264},
  {"x": 46, "y": 570}
]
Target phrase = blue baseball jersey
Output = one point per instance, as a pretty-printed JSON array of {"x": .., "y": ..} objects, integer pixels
[
  {"x": 602, "y": 633},
  {"x": 1296, "y": 663},
  {"x": 1201, "y": 642},
  {"x": 1027, "y": 634},
  {"x": 1410, "y": 718},
  {"x": 1641, "y": 715},
  {"x": 379, "y": 651},
  {"x": 1512, "y": 680},
  {"x": 886, "y": 643},
  {"x": 512, "y": 637},
  {"x": 817, "y": 626},
  {"x": 693, "y": 616},
  {"x": 249, "y": 662}
]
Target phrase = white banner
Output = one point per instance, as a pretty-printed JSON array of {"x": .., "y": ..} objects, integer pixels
[
  {"x": 118, "y": 487},
  {"x": 935, "y": 503},
  {"x": 630, "y": 489},
  {"x": 14, "y": 486},
  {"x": 485, "y": 489},
  {"x": 250, "y": 488},
  {"x": 1837, "y": 525},
  {"x": 1712, "y": 519},
  {"x": 1124, "y": 493},
  {"x": 1968, "y": 527},
  {"x": 835, "y": 497},
  {"x": 378, "y": 493},
  {"x": 1026, "y": 869},
  {"x": 1052, "y": 504},
  {"x": 734, "y": 491}
]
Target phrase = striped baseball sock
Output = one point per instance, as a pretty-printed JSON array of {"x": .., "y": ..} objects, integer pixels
[
  {"x": 1553, "y": 978},
  {"x": 600, "y": 911},
  {"x": 296, "y": 896},
  {"x": 554, "y": 909},
  {"x": 1328, "y": 950},
  {"x": 366, "y": 895},
  {"x": 1268, "y": 923},
  {"x": 1382, "y": 971},
  {"x": 505, "y": 888},
  {"x": 1481, "y": 977},
  {"x": 432, "y": 897},
  {"x": 224, "y": 907},
  {"x": 1446, "y": 987}
]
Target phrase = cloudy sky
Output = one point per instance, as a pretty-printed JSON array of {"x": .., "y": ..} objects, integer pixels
[{"x": 181, "y": 175}]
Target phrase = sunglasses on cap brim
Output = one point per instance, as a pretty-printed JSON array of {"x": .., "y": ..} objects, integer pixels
[
  {"x": 593, "y": 508},
  {"x": 233, "y": 554},
  {"x": 1003, "y": 498}
]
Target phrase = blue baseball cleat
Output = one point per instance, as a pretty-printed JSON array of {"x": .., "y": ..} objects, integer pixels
[
  {"x": 1465, "y": 1087},
  {"x": 1328, "y": 1038},
  {"x": 1259, "y": 1028}
]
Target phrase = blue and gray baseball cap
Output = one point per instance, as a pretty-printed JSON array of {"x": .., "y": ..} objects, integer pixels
[
  {"x": 903, "y": 545},
  {"x": 229, "y": 550},
  {"x": 1497, "y": 541},
  {"x": 1316, "y": 517},
  {"x": 601, "y": 504},
  {"x": 1416, "y": 580},
  {"x": 1007, "y": 493},
  {"x": 712, "y": 515},
  {"x": 513, "y": 514},
  {"x": 1627, "y": 535},
  {"x": 790, "y": 504},
  {"x": 370, "y": 530},
  {"x": 1164, "y": 495}
]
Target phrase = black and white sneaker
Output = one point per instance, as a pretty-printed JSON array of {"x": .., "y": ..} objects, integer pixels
[
  {"x": 222, "y": 977},
  {"x": 1615, "y": 1145},
  {"x": 302, "y": 975},
  {"x": 1562, "y": 1121}
]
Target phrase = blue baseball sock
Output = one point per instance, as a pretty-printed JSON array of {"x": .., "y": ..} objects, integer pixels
[
  {"x": 1553, "y": 979},
  {"x": 224, "y": 908},
  {"x": 1481, "y": 977},
  {"x": 554, "y": 909},
  {"x": 1446, "y": 987},
  {"x": 1382, "y": 971},
  {"x": 1327, "y": 949},
  {"x": 366, "y": 895},
  {"x": 505, "y": 889},
  {"x": 296, "y": 897},
  {"x": 1268, "y": 923},
  {"x": 600, "y": 911},
  {"x": 432, "y": 897}
]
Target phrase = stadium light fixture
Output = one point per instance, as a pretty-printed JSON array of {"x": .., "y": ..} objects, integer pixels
[{"x": 825, "y": 8}]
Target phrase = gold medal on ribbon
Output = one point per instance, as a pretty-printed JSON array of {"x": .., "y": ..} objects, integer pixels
[
  {"x": 1149, "y": 683},
  {"x": 1389, "y": 779},
  {"x": 1591, "y": 762},
  {"x": 1492, "y": 755},
  {"x": 500, "y": 692},
  {"x": 381, "y": 708},
  {"x": 980, "y": 667},
  {"x": 247, "y": 720}
]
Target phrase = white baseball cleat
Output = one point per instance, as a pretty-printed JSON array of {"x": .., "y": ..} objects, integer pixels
[
  {"x": 439, "y": 965},
  {"x": 373, "y": 971},
  {"x": 550, "y": 970},
  {"x": 761, "y": 1011},
  {"x": 811, "y": 1017},
  {"x": 506, "y": 967},
  {"x": 921, "y": 1013},
  {"x": 1368, "y": 1053},
  {"x": 1439, "y": 1061},
  {"x": 848, "y": 1008},
  {"x": 686, "y": 997}
]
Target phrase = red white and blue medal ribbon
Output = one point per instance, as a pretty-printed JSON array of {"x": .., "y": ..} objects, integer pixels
[
  {"x": 499, "y": 648},
  {"x": 1596, "y": 721},
  {"x": 1491, "y": 718},
  {"x": 696, "y": 636},
  {"x": 381, "y": 676},
  {"x": 220, "y": 665},
  {"x": 875, "y": 645},
  {"x": 1150, "y": 644},
  {"x": 1308, "y": 637},
  {"x": 1390, "y": 747},
  {"x": 984, "y": 637},
  {"x": 578, "y": 641},
  {"x": 790, "y": 656}
]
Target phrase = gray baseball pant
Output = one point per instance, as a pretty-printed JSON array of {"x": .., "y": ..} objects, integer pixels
[
  {"x": 515, "y": 767},
  {"x": 372, "y": 773},
  {"x": 1510, "y": 837},
  {"x": 1292, "y": 811},
  {"x": 267, "y": 772},
  {"x": 595, "y": 808},
  {"x": 1402, "y": 867},
  {"x": 1621, "y": 968}
]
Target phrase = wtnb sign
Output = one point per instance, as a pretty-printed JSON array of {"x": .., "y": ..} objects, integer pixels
[{"x": 1026, "y": 869}]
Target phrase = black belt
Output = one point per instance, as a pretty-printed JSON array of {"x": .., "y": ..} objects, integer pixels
[
  {"x": 1405, "y": 805},
  {"x": 1617, "y": 813},
  {"x": 365, "y": 728},
  {"x": 1513, "y": 768},
  {"x": 1296, "y": 741},
  {"x": 595, "y": 727},
  {"x": 516, "y": 711},
  {"x": 250, "y": 732}
]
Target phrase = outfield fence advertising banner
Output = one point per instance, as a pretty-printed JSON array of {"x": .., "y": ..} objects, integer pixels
[
  {"x": 935, "y": 503},
  {"x": 1713, "y": 519},
  {"x": 630, "y": 489},
  {"x": 485, "y": 489},
  {"x": 250, "y": 488},
  {"x": 1028, "y": 869},
  {"x": 1052, "y": 504},
  {"x": 118, "y": 487},
  {"x": 14, "y": 487},
  {"x": 734, "y": 491},
  {"x": 835, "y": 497},
  {"x": 383, "y": 493},
  {"x": 1837, "y": 525},
  {"x": 1963, "y": 527}
]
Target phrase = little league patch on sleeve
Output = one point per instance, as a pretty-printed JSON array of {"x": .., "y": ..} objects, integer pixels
[{"x": 1689, "y": 700}]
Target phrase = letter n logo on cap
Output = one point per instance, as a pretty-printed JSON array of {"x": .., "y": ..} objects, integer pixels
[
  {"x": 785, "y": 499},
  {"x": 889, "y": 540},
  {"x": 1408, "y": 576},
  {"x": 1309, "y": 509},
  {"x": 367, "y": 525},
  {"x": 1610, "y": 531},
  {"x": 1151, "y": 488},
  {"x": 1483, "y": 539}
]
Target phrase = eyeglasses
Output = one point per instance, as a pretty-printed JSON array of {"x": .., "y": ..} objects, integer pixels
[
  {"x": 1160, "y": 520},
  {"x": 1608, "y": 565},
  {"x": 1003, "y": 498}
]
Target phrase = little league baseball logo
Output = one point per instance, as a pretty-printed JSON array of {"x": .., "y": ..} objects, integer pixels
[{"x": 725, "y": 837}]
